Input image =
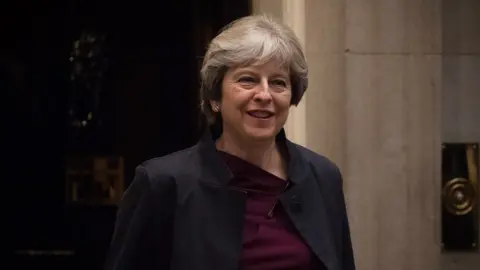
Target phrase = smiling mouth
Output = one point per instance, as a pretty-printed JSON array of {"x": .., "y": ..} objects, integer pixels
[{"x": 260, "y": 114}]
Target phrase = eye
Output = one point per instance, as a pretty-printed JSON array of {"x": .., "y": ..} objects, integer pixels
[
  {"x": 279, "y": 82},
  {"x": 246, "y": 79}
]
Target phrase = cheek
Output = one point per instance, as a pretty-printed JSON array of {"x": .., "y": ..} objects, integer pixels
[
  {"x": 234, "y": 103},
  {"x": 283, "y": 115},
  {"x": 237, "y": 99},
  {"x": 282, "y": 102}
]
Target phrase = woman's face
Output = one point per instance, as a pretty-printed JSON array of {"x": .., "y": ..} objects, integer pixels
[{"x": 255, "y": 101}]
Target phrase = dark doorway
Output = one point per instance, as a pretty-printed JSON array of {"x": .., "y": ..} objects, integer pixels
[{"x": 144, "y": 104}]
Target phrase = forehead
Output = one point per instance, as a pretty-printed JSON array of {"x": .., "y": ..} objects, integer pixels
[{"x": 270, "y": 68}]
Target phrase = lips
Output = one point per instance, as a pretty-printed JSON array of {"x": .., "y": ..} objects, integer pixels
[{"x": 261, "y": 114}]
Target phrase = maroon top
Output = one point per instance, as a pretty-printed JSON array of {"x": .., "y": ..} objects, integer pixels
[{"x": 270, "y": 241}]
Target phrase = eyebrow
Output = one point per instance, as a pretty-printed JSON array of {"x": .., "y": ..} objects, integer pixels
[{"x": 253, "y": 72}]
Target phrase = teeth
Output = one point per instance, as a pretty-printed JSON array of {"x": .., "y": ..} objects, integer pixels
[{"x": 260, "y": 114}]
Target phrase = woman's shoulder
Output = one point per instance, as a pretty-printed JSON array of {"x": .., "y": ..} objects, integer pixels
[
  {"x": 314, "y": 159},
  {"x": 323, "y": 169},
  {"x": 171, "y": 166}
]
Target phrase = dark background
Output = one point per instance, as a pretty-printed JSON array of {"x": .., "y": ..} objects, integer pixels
[{"x": 148, "y": 105}]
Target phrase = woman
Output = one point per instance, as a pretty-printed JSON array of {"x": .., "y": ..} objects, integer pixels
[{"x": 244, "y": 197}]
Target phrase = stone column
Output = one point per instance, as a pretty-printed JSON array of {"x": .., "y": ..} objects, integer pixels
[
  {"x": 373, "y": 107},
  {"x": 393, "y": 97},
  {"x": 325, "y": 103}
]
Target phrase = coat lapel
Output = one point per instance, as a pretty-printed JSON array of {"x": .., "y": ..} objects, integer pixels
[
  {"x": 305, "y": 205},
  {"x": 307, "y": 211},
  {"x": 303, "y": 202}
]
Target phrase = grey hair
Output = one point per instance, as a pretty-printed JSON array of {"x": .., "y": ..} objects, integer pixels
[{"x": 254, "y": 39}]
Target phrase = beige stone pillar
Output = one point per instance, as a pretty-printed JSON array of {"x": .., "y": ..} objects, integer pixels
[
  {"x": 325, "y": 103},
  {"x": 373, "y": 106},
  {"x": 393, "y": 97}
]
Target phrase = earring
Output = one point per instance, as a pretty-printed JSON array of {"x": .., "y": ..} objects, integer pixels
[{"x": 216, "y": 108}]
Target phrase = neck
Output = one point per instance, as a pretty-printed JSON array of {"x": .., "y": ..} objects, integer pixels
[{"x": 263, "y": 154}]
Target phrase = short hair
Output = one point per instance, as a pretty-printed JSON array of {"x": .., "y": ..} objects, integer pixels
[{"x": 254, "y": 39}]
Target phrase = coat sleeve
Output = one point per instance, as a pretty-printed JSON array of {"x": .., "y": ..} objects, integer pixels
[
  {"x": 348, "y": 260},
  {"x": 142, "y": 233}
]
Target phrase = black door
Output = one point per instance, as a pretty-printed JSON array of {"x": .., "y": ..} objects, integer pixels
[{"x": 143, "y": 104}]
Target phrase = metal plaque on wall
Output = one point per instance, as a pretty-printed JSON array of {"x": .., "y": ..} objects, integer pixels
[{"x": 460, "y": 196}]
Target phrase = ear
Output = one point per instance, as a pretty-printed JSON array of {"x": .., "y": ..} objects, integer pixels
[{"x": 215, "y": 106}]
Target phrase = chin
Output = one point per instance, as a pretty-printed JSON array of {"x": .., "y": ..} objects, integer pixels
[{"x": 261, "y": 134}]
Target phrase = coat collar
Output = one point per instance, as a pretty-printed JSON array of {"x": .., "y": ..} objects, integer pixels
[
  {"x": 297, "y": 166},
  {"x": 303, "y": 202}
]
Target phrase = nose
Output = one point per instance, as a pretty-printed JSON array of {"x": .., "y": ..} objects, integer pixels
[{"x": 263, "y": 93}]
